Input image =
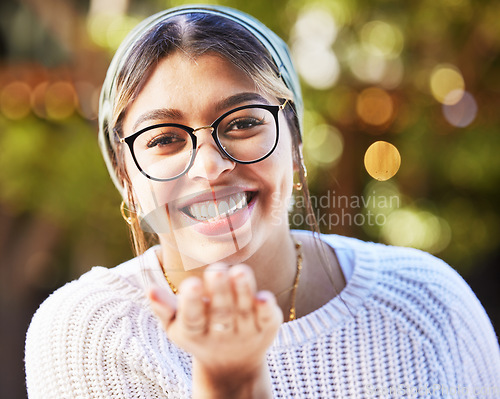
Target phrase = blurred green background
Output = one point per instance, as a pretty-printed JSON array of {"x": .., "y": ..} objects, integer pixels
[{"x": 423, "y": 75}]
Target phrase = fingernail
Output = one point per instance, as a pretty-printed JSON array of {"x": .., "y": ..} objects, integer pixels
[
  {"x": 158, "y": 295},
  {"x": 193, "y": 288},
  {"x": 240, "y": 275},
  {"x": 263, "y": 296}
]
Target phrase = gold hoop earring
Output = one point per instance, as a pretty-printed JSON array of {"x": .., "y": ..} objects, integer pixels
[{"x": 127, "y": 219}]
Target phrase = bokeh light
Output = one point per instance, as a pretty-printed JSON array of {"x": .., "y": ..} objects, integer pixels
[
  {"x": 312, "y": 38},
  {"x": 15, "y": 100},
  {"x": 382, "y": 160},
  {"x": 316, "y": 24},
  {"x": 447, "y": 84},
  {"x": 381, "y": 38},
  {"x": 118, "y": 28},
  {"x": 375, "y": 106},
  {"x": 318, "y": 66},
  {"x": 324, "y": 145},
  {"x": 60, "y": 100},
  {"x": 461, "y": 113},
  {"x": 97, "y": 28},
  {"x": 387, "y": 194},
  {"x": 108, "y": 30},
  {"x": 416, "y": 228},
  {"x": 374, "y": 68}
]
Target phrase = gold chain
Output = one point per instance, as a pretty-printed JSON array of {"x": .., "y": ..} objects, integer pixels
[
  {"x": 292, "y": 314},
  {"x": 171, "y": 285}
]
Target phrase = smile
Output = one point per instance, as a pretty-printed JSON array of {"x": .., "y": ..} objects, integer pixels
[{"x": 211, "y": 211}]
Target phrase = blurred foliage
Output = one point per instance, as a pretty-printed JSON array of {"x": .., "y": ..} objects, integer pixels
[{"x": 50, "y": 164}]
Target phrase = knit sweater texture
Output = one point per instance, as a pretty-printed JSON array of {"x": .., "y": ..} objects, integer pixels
[{"x": 405, "y": 326}]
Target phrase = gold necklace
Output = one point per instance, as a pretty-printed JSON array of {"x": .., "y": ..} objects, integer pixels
[
  {"x": 292, "y": 315},
  {"x": 298, "y": 248}
]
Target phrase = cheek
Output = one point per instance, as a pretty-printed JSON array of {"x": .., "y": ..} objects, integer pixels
[
  {"x": 278, "y": 174},
  {"x": 149, "y": 195},
  {"x": 284, "y": 162}
]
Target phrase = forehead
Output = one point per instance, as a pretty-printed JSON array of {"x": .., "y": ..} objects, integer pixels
[{"x": 179, "y": 76}]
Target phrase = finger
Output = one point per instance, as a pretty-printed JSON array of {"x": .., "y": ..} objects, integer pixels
[
  {"x": 191, "y": 314},
  {"x": 221, "y": 306},
  {"x": 244, "y": 286},
  {"x": 164, "y": 305},
  {"x": 268, "y": 313}
]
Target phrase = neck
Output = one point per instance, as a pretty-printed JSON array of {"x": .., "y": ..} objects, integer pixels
[
  {"x": 275, "y": 267},
  {"x": 274, "y": 263}
]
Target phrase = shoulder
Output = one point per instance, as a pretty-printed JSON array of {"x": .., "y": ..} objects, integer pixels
[
  {"x": 399, "y": 262},
  {"x": 89, "y": 331},
  {"x": 96, "y": 295},
  {"x": 423, "y": 294},
  {"x": 82, "y": 308},
  {"x": 125, "y": 282},
  {"x": 98, "y": 286}
]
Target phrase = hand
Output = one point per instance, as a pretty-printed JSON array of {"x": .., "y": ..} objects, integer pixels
[{"x": 224, "y": 323}]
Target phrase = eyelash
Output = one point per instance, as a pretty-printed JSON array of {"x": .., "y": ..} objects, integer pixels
[
  {"x": 249, "y": 120},
  {"x": 156, "y": 140}
]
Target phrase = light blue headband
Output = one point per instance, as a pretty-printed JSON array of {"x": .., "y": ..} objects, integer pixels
[{"x": 276, "y": 47}]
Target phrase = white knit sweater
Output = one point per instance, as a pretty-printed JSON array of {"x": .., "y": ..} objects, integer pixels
[{"x": 412, "y": 328}]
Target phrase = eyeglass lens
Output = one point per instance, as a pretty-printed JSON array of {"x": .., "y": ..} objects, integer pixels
[{"x": 246, "y": 135}]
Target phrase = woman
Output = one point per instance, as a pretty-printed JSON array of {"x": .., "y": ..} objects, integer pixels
[{"x": 200, "y": 128}]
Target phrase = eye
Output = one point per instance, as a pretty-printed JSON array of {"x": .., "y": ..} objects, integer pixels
[
  {"x": 165, "y": 139},
  {"x": 244, "y": 123},
  {"x": 162, "y": 140}
]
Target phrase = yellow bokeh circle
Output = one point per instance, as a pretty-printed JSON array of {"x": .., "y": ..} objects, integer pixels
[
  {"x": 15, "y": 100},
  {"x": 447, "y": 84},
  {"x": 382, "y": 160}
]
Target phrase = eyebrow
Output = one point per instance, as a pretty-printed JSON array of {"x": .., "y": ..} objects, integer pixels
[
  {"x": 157, "y": 114},
  {"x": 229, "y": 102},
  {"x": 238, "y": 99}
]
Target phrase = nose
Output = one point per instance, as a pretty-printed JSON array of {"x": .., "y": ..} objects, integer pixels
[{"x": 209, "y": 163}]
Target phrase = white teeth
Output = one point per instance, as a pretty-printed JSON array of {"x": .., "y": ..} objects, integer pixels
[
  {"x": 211, "y": 210},
  {"x": 223, "y": 207},
  {"x": 196, "y": 213},
  {"x": 203, "y": 212},
  {"x": 206, "y": 210},
  {"x": 242, "y": 201}
]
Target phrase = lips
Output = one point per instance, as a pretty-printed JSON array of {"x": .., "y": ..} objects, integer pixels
[{"x": 218, "y": 212}]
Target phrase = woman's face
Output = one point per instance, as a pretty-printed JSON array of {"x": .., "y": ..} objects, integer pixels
[{"x": 219, "y": 209}]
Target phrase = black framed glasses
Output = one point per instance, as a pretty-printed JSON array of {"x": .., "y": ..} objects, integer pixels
[{"x": 166, "y": 151}]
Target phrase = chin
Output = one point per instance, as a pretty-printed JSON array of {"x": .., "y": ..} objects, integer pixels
[{"x": 198, "y": 249}]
